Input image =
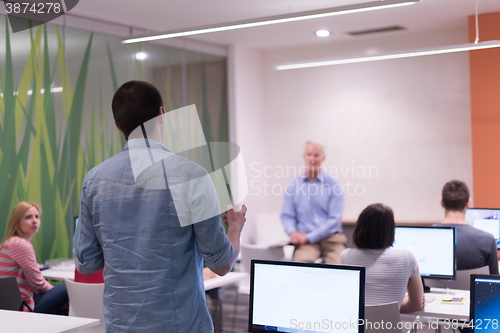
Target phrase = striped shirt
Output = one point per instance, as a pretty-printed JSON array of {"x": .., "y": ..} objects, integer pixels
[
  {"x": 17, "y": 258},
  {"x": 387, "y": 272}
]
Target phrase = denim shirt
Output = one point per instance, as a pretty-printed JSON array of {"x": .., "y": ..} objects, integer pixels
[
  {"x": 313, "y": 207},
  {"x": 152, "y": 265}
]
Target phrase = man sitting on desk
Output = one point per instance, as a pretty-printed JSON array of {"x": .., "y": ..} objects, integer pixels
[
  {"x": 312, "y": 211},
  {"x": 474, "y": 248}
]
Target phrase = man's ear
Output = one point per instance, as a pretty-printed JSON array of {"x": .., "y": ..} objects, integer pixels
[
  {"x": 468, "y": 204},
  {"x": 161, "y": 114},
  {"x": 441, "y": 202}
]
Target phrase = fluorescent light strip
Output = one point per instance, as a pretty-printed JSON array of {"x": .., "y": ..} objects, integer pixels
[
  {"x": 417, "y": 53},
  {"x": 363, "y": 7}
]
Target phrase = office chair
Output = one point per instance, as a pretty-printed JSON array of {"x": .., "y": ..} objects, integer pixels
[
  {"x": 86, "y": 300},
  {"x": 10, "y": 296}
]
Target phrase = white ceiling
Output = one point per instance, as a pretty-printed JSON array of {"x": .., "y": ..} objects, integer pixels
[{"x": 157, "y": 16}]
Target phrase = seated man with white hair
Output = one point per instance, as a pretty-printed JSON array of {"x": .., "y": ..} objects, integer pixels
[{"x": 312, "y": 211}]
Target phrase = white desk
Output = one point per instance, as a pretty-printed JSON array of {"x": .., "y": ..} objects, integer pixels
[
  {"x": 61, "y": 272},
  {"x": 221, "y": 281},
  {"x": 18, "y": 321},
  {"x": 438, "y": 309}
]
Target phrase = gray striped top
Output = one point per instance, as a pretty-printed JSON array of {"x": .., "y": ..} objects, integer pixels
[{"x": 387, "y": 272}]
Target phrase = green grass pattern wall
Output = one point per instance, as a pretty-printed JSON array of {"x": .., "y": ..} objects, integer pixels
[{"x": 55, "y": 117}]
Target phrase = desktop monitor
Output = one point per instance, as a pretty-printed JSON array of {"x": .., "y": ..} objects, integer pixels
[
  {"x": 484, "y": 303},
  {"x": 75, "y": 224},
  {"x": 302, "y": 297},
  {"x": 433, "y": 247},
  {"x": 485, "y": 219}
]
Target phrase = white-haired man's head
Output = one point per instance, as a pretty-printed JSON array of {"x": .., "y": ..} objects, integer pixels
[{"x": 313, "y": 156}]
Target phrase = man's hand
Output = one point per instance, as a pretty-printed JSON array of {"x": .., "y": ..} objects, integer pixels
[
  {"x": 298, "y": 238},
  {"x": 208, "y": 274},
  {"x": 235, "y": 220}
]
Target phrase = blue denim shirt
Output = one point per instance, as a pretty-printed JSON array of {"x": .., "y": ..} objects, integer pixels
[
  {"x": 313, "y": 207},
  {"x": 152, "y": 265}
]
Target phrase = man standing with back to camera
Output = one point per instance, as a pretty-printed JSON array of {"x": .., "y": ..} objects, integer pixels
[
  {"x": 312, "y": 211},
  {"x": 152, "y": 264},
  {"x": 474, "y": 248}
]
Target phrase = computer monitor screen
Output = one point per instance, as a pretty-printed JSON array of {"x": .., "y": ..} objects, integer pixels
[
  {"x": 485, "y": 219},
  {"x": 75, "y": 224},
  {"x": 485, "y": 303},
  {"x": 433, "y": 247},
  {"x": 300, "y": 297}
]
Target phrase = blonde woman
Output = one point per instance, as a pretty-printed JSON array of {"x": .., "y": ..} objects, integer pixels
[{"x": 17, "y": 258}]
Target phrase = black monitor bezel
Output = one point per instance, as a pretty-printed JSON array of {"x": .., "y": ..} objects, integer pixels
[
  {"x": 438, "y": 277},
  {"x": 472, "y": 297},
  {"x": 360, "y": 269}
]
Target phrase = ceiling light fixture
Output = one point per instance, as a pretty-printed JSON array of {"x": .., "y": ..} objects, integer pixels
[
  {"x": 409, "y": 54},
  {"x": 349, "y": 9},
  {"x": 322, "y": 33}
]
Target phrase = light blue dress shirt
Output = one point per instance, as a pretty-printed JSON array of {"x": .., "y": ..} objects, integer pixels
[
  {"x": 152, "y": 265},
  {"x": 313, "y": 207}
]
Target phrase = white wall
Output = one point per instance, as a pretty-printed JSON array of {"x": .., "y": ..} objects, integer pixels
[
  {"x": 402, "y": 125},
  {"x": 247, "y": 119}
]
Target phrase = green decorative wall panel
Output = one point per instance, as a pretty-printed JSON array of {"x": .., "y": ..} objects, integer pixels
[{"x": 56, "y": 123}]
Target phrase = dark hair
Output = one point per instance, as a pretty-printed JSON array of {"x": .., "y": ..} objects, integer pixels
[
  {"x": 455, "y": 195},
  {"x": 134, "y": 103},
  {"x": 374, "y": 228}
]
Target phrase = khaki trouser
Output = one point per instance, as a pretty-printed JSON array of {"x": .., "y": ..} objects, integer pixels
[{"x": 329, "y": 248}]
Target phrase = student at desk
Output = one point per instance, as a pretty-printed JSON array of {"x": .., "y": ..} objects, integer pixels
[
  {"x": 17, "y": 258},
  {"x": 390, "y": 273},
  {"x": 474, "y": 248}
]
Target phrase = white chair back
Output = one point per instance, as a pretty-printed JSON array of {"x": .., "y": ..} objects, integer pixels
[
  {"x": 387, "y": 313},
  {"x": 462, "y": 280},
  {"x": 254, "y": 251},
  {"x": 85, "y": 300}
]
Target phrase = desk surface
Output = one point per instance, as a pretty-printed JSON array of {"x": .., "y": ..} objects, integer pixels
[
  {"x": 18, "y": 321},
  {"x": 61, "y": 272},
  {"x": 438, "y": 309},
  {"x": 227, "y": 279}
]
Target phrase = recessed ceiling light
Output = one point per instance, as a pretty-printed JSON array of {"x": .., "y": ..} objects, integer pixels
[
  {"x": 141, "y": 55},
  {"x": 322, "y": 33}
]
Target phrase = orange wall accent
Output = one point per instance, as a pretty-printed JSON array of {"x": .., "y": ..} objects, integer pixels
[{"x": 485, "y": 112}]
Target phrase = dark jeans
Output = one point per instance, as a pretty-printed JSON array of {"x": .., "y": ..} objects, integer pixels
[{"x": 54, "y": 301}]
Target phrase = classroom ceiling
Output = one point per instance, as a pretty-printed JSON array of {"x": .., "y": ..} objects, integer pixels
[{"x": 157, "y": 16}]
